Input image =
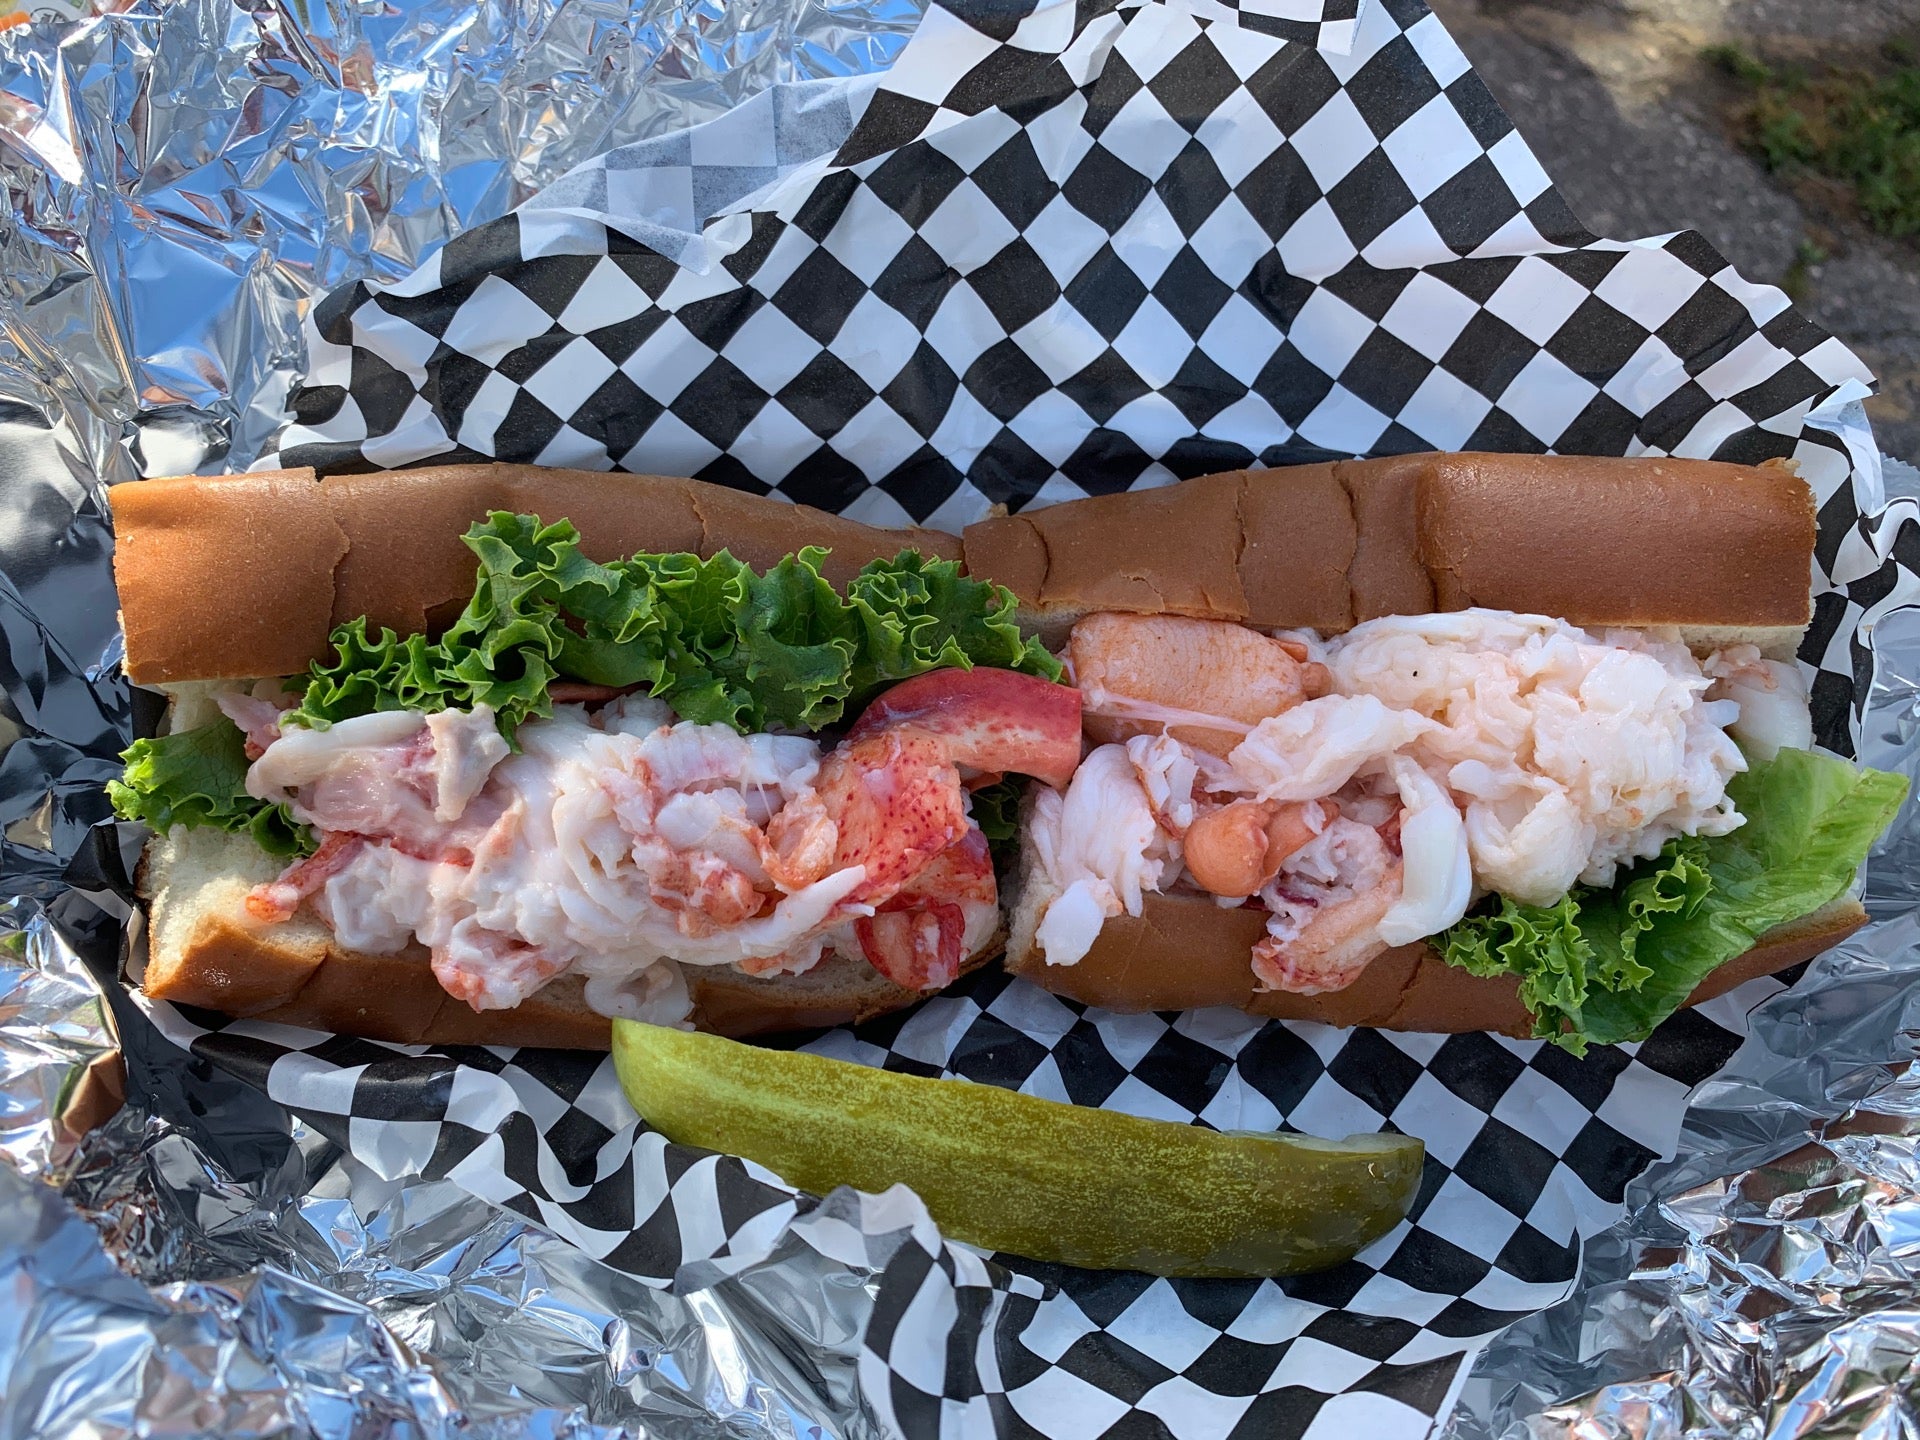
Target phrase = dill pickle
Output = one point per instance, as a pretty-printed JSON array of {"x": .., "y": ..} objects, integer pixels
[{"x": 1027, "y": 1176}]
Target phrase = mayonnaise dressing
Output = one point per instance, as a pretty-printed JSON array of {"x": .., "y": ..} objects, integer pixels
[{"x": 609, "y": 844}]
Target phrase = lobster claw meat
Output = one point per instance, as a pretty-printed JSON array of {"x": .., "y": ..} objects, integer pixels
[{"x": 989, "y": 720}]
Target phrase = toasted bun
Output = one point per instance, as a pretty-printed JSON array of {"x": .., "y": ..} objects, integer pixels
[
  {"x": 238, "y": 576},
  {"x": 1183, "y": 952},
  {"x": 1721, "y": 552},
  {"x": 203, "y": 951},
  {"x": 837, "y": 991},
  {"x": 235, "y": 577}
]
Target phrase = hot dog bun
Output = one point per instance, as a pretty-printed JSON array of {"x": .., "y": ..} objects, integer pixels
[
  {"x": 243, "y": 576},
  {"x": 1721, "y": 553}
]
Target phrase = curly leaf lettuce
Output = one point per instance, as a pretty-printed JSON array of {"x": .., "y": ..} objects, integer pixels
[
  {"x": 718, "y": 641},
  {"x": 199, "y": 777},
  {"x": 919, "y": 614},
  {"x": 1605, "y": 966},
  {"x": 995, "y": 809}
]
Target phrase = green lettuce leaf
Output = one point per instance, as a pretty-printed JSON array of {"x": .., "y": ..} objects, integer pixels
[
  {"x": 995, "y": 809},
  {"x": 1605, "y": 966},
  {"x": 716, "y": 640},
  {"x": 199, "y": 777},
  {"x": 920, "y": 614},
  {"x": 1544, "y": 945}
]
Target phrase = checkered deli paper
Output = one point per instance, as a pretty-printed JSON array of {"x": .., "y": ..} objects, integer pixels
[{"x": 1056, "y": 251}]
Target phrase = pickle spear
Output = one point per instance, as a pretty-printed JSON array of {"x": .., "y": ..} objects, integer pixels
[{"x": 1027, "y": 1176}]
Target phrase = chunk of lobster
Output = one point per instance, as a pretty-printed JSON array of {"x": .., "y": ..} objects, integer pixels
[
  {"x": 1204, "y": 682},
  {"x": 889, "y": 801},
  {"x": 277, "y": 899},
  {"x": 1239, "y": 847},
  {"x": 990, "y": 721},
  {"x": 921, "y": 937}
]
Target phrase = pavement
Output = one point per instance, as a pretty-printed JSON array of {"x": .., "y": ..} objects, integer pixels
[{"x": 1634, "y": 127}]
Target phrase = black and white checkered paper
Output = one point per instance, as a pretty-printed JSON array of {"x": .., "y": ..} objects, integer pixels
[
  {"x": 1062, "y": 250},
  {"x": 1067, "y": 253},
  {"x": 1528, "y": 1151}
]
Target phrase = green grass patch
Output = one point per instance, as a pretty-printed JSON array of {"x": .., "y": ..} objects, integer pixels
[{"x": 1858, "y": 126}]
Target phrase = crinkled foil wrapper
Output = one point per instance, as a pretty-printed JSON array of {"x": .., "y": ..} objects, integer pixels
[{"x": 180, "y": 180}]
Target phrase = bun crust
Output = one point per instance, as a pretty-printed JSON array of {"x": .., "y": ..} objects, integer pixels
[
  {"x": 1183, "y": 952},
  {"x": 1707, "y": 547},
  {"x": 289, "y": 555}
]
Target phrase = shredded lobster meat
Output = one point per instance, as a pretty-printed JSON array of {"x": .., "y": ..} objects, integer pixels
[
  {"x": 1442, "y": 757},
  {"x": 619, "y": 839}
]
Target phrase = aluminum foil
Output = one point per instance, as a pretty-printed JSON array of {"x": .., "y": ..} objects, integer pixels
[{"x": 180, "y": 181}]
